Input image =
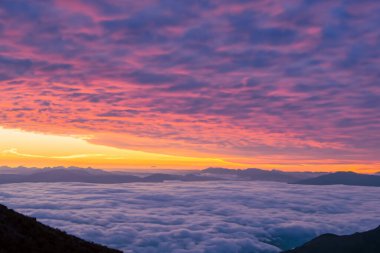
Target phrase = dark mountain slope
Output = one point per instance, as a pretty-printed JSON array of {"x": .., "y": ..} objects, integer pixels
[
  {"x": 366, "y": 242},
  {"x": 345, "y": 178},
  {"x": 22, "y": 234}
]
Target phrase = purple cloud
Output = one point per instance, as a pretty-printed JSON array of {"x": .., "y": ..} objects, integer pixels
[{"x": 303, "y": 71}]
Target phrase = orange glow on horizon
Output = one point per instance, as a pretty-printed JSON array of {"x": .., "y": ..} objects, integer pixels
[
  {"x": 22, "y": 148},
  {"x": 34, "y": 149}
]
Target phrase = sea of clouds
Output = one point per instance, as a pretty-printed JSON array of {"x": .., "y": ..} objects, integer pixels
[{"x": 207, "y": 217}]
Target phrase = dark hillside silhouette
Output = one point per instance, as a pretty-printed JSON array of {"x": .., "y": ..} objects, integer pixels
[
  {"x": 366, "y": 242},
  {"x": 22, "y": 234}
]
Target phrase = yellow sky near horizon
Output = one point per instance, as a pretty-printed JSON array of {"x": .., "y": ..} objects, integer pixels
[
  {"x": 18, "y": 147},
  {"x": 23, "y": 148}
]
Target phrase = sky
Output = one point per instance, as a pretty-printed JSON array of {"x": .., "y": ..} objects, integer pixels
[{"x": 287, "y": 84}]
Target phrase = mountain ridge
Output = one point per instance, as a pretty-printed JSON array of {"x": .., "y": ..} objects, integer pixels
[
  {"x": 23, "y": 234},
  {"x": 255, "y": 174},
  {"x": 85, "y": 176},
  {"x": 364, "y": 242},
  {"x": 343, "y": 178},
  {"x": 90, "y": 175}
]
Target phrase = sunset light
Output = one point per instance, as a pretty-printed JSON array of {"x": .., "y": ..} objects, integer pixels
[{"x": 189, "y": 126}]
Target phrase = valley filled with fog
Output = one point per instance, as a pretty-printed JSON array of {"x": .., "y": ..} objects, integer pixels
[{"x": 218, "y": 216}]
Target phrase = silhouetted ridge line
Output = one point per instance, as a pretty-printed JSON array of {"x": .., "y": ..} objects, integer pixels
[
  {"x": 88, "y": 176},
  {"x": 365, "y": 242},
  {"x": 254, "y": 174},
  {"x": 344, "y": 178},
  {"x": 23, "y": 234}
]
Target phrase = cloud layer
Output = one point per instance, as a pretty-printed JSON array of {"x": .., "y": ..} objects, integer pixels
[
  {"x": 240, "y": 78},
  {"x": 212, "y": 217}
]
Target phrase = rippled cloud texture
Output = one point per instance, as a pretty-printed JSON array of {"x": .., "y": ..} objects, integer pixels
[
  {"x": 237, "y": 78},
  {"x": 204, "y": 217}
]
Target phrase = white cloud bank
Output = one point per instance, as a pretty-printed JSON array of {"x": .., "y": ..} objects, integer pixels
[{"x": 208, "y": 217}]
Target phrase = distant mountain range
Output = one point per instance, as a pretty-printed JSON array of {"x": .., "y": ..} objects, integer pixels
[
  {"x": 366, "y": 242},
  {"x": 345, "y": 178},
  {"x": 90, "y": 175},
  {"x": 253, "y": 174},
  {"x": 30, "y": 170},
  {"x": 22, "y": 234}
]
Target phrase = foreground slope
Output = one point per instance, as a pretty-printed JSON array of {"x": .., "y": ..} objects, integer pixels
[
  {"x": 366, "y": 242},
  {"x": 344, "y": 178},
  {"x": 22, "y": 234}
]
